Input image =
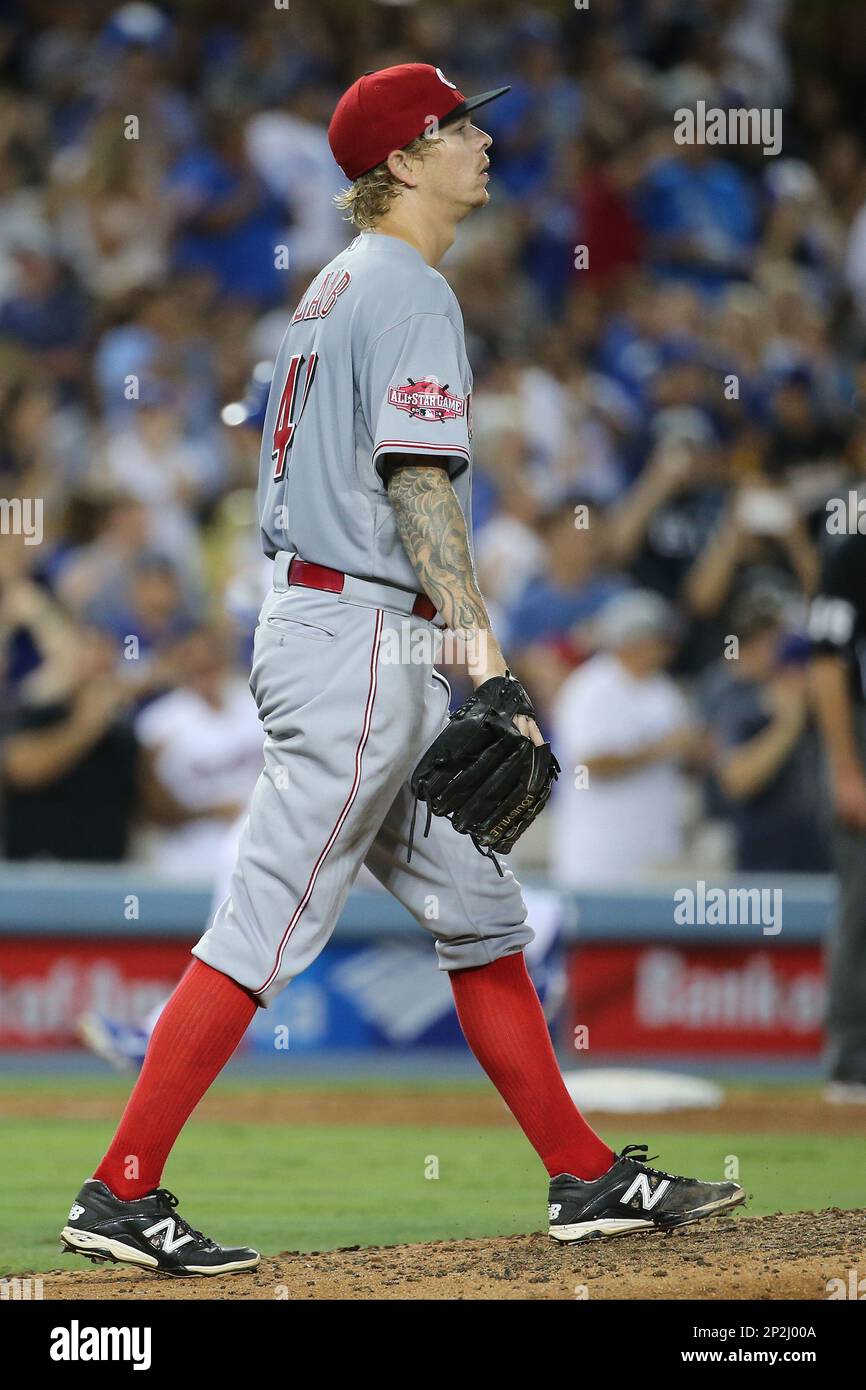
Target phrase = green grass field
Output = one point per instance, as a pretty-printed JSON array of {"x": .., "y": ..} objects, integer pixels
[{"x": 315, "y": 1187}]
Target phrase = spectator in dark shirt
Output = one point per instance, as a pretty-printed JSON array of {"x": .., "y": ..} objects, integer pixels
[
  {"x": 765, "y": 756},
  {"x": 69, "y": 767},
  {"x": 761, "y": 542},
  {"x": 799, "y": 436},
  {"x": 48, "y": 316}
]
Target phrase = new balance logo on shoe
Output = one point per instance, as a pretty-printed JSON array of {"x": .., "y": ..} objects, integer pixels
[
  {"x": 648, "y": 1197},
  {"x": 75, "y": 1212},
  {"x": 555, "y": 1209},
  {"x": 167, "y": 1230}
]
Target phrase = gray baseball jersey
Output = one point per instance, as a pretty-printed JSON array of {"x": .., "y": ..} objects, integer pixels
[{"x": 373, "y": 362}]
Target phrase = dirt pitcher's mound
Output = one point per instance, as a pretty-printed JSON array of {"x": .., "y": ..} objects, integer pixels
[{"x": 795, "y": 1255}]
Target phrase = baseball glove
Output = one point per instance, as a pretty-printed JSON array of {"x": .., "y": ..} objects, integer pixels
[{"x": 481, "y": 772}]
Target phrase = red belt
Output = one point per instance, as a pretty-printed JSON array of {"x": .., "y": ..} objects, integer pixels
[{"x": 311, "y": 576}]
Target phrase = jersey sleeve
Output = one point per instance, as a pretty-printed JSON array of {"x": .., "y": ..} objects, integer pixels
[
  {"x": 833, "y": 613},
  {"x": 412, "y": 394}
]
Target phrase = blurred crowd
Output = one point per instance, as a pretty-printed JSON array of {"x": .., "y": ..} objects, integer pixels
[{"x": 659, "y": 420}]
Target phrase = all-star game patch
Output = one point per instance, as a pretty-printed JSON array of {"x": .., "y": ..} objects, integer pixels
[{"x": 427, "y": 400}]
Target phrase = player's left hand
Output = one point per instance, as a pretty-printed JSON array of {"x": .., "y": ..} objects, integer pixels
[
  {"x": 529, "y": 729},
  {"x": 489, "y": 771}
]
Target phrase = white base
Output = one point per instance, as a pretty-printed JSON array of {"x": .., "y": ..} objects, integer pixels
[
  {"x": 633, "y": 1090},
  {"x": 845, "y": 1093}
]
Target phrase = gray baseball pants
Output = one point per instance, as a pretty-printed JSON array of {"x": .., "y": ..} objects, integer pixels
[{"x": 345, "y": 724}]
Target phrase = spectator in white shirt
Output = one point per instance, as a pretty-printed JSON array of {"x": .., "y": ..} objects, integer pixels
[
  {"x": 150, "y": 459},
  {"x": 203, "y": 748},
  {"x": 621, "y": 729}
]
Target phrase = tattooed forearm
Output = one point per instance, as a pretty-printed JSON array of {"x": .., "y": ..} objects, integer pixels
[{"x": 433, "y": 530}]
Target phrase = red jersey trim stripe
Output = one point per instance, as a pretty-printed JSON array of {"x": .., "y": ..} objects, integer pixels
[
  {"x": 415, "y": 446},
  {"x": 347, "y": 805}
]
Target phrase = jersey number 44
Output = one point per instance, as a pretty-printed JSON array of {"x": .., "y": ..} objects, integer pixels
[{"x": 287, "y": 421}]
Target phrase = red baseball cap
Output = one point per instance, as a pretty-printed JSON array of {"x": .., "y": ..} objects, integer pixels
[{"x": 385, "y": 110}]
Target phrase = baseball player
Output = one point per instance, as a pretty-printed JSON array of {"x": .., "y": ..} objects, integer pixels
[{"x": 365, "y": 509}]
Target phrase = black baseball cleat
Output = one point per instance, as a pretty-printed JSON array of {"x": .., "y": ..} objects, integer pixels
[
  {"x": 146, "y": 1232},
  {"x": 631, "y": 1196}
]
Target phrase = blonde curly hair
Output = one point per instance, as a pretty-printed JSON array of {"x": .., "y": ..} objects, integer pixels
[{"x": 367, "y": 200}]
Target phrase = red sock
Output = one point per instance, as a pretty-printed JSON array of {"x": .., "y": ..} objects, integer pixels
[
  {"x": 504, "y": 1024},
  {"x": 195, "y": 1035}
]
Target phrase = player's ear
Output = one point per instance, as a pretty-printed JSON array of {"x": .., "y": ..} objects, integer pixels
[{"x": 403, "y": 167}]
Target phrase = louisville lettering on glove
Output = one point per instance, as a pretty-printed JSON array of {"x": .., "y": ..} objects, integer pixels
[{"x": 483, "y": 774}]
